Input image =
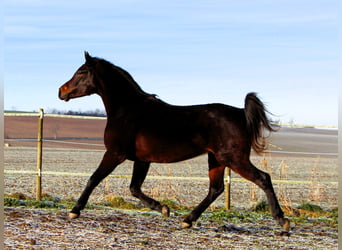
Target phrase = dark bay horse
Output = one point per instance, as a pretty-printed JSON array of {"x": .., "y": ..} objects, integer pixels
[{"x": 144, "y": 129}]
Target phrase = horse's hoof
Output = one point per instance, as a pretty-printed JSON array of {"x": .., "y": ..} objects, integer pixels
[
  {"x": 165, "y": 211},
  {"x": 185, "y": 225},
  {"x": 73, "y": 216},
  {"x": 286, "y": 224}
]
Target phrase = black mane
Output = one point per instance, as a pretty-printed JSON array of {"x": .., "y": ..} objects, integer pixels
[{"x": 129, "y": 79}]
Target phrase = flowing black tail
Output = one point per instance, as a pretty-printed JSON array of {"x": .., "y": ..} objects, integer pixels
[{"x": 257, "y": 121}]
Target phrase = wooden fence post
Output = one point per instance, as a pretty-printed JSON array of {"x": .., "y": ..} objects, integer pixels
[
  {"x": 227, "y": 192},
  {"x": 39, "y": 155}
]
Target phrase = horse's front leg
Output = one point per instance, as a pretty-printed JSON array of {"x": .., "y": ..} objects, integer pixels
[
  {"x": 108, "y": 164},
  {"x": 140, "y": 170}
]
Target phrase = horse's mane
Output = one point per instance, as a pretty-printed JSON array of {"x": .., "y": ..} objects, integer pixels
[{"x": 130, "y": 79}]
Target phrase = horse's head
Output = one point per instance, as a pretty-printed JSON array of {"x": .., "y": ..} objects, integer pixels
[
  {"x": 97, "y": 76},
  {"x": 82, "y": 82}
]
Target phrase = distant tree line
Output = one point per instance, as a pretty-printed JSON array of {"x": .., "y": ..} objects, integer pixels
[{"x": 96, "y": 112}]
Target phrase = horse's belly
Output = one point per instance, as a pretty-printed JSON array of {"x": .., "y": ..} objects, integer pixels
[{"x": 165, "y": 150}]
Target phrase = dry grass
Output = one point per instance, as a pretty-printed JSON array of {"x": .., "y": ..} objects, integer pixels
[
  {"x": 186, "y": 192},
  {"x": 315, "y": 192}
]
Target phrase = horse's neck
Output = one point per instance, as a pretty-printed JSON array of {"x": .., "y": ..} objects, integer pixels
[
  {"x": 118, "y": 89},
  {"x": 116, "y": 102}
]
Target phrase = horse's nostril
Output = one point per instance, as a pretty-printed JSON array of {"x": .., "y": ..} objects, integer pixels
[{"x": 62, "y": 95}]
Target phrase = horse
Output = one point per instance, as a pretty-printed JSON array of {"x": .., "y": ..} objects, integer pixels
[{"x": 144, "y": 129}]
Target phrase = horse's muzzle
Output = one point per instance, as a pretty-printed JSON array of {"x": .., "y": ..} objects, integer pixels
[{"x": 63, "y": 96}]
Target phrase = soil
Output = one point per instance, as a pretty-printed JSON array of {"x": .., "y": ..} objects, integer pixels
[{"x": 118, "y": 229}]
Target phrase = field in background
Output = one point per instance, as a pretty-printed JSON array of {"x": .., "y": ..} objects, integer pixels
[
  {"x": 89, "y": 130},
  {"x": 300, "y": 174}
]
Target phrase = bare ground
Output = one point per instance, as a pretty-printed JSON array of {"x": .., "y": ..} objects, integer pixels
[{"x": 112, "y": 229}]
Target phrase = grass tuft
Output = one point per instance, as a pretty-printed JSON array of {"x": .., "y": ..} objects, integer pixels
[
  {"x": 173, "y": 205},
  {"x": 307, "y": 206},
  {"x": 18, "y": 196},
  {"x": 261, "y": 206},
  {"x": 13, "y": 202},
  {"x": 119, "y": 202}
]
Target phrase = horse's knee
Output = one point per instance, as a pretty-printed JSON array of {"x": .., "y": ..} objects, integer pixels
[
  {"x": 264, "y": 181},
  {"x": 220, "y": 190},
  {"x": 216, "y": 191}
]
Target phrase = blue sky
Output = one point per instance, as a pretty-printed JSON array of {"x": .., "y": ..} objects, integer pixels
[{"x": 186, "y": 52}]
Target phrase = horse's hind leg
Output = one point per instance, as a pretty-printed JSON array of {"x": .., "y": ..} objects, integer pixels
[
  {"x": 108, "y": 164},
  {"x": 263, "y": 180},
  {"x": 140, "y": 170},
  {"x": 216, "y": 176}
]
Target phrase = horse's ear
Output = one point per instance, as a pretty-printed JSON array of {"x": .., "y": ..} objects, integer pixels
[{"x": 89, "y": 59}]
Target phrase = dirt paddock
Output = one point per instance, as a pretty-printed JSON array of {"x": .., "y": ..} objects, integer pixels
[{"x": 117, "y": 229}]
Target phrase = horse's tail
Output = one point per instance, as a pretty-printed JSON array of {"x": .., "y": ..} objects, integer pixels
[{"x": 257, "y": 121}]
